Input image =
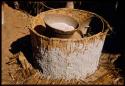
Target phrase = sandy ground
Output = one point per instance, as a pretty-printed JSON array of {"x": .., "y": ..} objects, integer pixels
[{"x": 14, "y": 28}]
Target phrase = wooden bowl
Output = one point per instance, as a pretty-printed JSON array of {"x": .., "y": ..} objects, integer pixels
[{"x": 51, "y": 19}]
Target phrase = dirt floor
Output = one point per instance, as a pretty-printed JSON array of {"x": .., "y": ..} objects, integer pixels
[
  {"x": 12, "y": 29},
  {"x": 17, "y": 69}
]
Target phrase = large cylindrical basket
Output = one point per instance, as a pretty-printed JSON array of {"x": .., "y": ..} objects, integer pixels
[{"x": 68, "y": 58}]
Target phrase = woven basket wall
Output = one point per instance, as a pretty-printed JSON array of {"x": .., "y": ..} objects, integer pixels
[{"x": 72, "y": 58}]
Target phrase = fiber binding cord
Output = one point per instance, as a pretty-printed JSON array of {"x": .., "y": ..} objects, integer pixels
[{"x": 46, "y": 6}]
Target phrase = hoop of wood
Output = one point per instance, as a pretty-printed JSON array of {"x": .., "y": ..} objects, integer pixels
[{"x": 72, "y": 58}]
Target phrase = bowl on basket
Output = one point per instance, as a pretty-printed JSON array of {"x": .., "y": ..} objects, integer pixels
[{"x": 58, "y": 25}]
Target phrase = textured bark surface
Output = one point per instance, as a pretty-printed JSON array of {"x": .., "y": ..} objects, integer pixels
[{"x": 73, "y": 58}]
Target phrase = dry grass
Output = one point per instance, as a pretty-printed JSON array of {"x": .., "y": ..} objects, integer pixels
[{"x": 24, "y": 73}]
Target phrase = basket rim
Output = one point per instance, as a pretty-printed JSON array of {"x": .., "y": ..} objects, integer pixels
[{"x": 92, "y": 13}]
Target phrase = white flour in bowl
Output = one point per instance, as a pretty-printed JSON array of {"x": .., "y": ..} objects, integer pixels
[{"x": 63, "y": 26}]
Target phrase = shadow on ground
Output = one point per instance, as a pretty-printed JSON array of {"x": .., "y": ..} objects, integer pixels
[
  {"x": 24, "y": 45},
  {"x": 120, "y": 63}
]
